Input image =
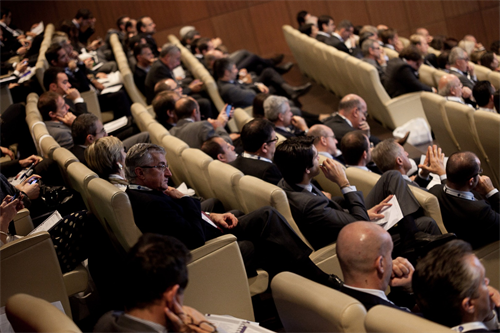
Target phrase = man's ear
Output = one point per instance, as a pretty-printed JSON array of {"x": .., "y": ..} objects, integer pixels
[
  {"x": 399, "y": 160},
  {"x": 52, "y": 114},
  {"x": 379, "y": 263},
  {"x": 221, "y": 157},
  {"x": 280, "y": 116},
  {"x": 89, "y": 138},
  {"x": 323, "y": 140},
  {"x": 365, "y": 155},
  {"x": 139, "y": 172},
  {"x": 193, "y": 113},
  {"x": 53, "y": 87},
  {"x": 170, "y": 294},
  {"x": 468, "y": 305}
]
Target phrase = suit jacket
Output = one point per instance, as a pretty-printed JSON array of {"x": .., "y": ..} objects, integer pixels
[
  {"x": 160, "y": 71},
  {"x": 61, "y": 133},
  {"x": 79, "y": 152},
  {"x": 477, "y": 222},
  {"x": 78, "y": 108},
  {"x": 195, "y": 133},
  {"x": 78, "y": 79},
  {"x": 237, "y": 94},
  {"x": 368, "y": 300},
  {"x": 380, "y": 69},
  {"x": 289, "y": 134},
  {"x": 116, "y": 321},
  {"x": 465, "y": 80},
  {"x": 140, "y": 79},
  {"x": 340, "y": 127},
  {"x": 401, "y": 78},
  {"x": 333, "y": 41},
  {"x": 266, "y": 171},
  {"x": 319, "y": 218}
]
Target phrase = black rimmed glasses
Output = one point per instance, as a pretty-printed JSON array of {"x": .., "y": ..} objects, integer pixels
[
  {"x": 273, "y": 140},
  {"x": 161, "y": 167}
]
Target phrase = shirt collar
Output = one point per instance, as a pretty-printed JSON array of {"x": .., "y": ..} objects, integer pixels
[
  {"x": 322, "y": 33},
  {"x": 157, "y": 327},
  {"x": 465, "y": 327},
  {"x": 374, "y": 292},
  {"x": 255, "y": 157},
  {"x": 347, "y": 120},
  {"x": 487, "y": 110},
  {"x": 405, "y": 177},
  {"x": 116, "y": 176},
  {"x": 454, "y": 69},
  {"x": 455, "y": 99},
  {"x": 139, "y": 187},
  {"x": 459, "y": 194},
  {"x": 284, "y": 128},
  {"x": 360, "y": 167},
  {"x": 307, "y": 187},
  {"x": 324, "y": 153},
  {"x": 338, "y": 36}
]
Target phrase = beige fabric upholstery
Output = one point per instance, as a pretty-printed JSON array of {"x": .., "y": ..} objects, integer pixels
[
  {"x": 489, "y": 256},
  {"x": 174, "y": 148},
  {"x": 41, "y": 63},
  {"x": 137, "y": 110},
  {"x": 128, "y": 78},
  {"x": 438, "y": 74},
  {"x": 64, "y": 158},
  {"x": 224, "y": 180},
  {"x": 426, "y": 75},
  {"x": 30, "y": 265},
  {"x": 281, "y": 138},
  {"x": 77, "y": 280},
  {"x": 32, "y": 314},
  {"x": 326, "y": 184},
  {"x": 257, "y": 193},
  {"x": 90, "y": 97},
  {"x": 432, "y": 50},
  {"x": 79, "y": 177},
  {"x": 488, "y": 130},
  {"x": 306, "y": 306},
  {"x": 391, "y": 53},
  {"x": 433, "y": 105},
  {"x": 481, "y": 72},
  {"x": 156, "y": 132},
  {"x": 494, "y": 78},
  {"x": 362, "y": 179},
  {"x": 461, "y": 118},
  {"x": 197, "y": 163},
  {"x": 212, "y": 266},
  {"x": 384, "y": 319},
  {"x": 430, "y": 205},
  {"x": 23, "y": 222},
  {"x": 48, "y": 145},
  {"x": 405, "y": 41},
  {"x": 241, "y": 117}
]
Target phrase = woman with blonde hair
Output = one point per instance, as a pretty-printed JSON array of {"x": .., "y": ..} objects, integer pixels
[{"x": 106, "y": 157}]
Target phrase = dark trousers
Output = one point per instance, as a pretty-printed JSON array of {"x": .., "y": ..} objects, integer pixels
[
  {"x": 250, "y": 61},
  {"x": 118, "y": 102}
]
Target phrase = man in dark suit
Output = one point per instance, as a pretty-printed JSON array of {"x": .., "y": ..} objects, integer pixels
[
  {"x": 161, "y": 209},
  {"x": 350, "y": 117},
  {"x": 144, "y": 55},
  {"x": 194, "y": 131},
  {"x": 401, "y": 75},
  {"x": 56, "y": 80},
  {"x": 326, "y": 26},
  {"x": 357, "y": 153},
  {"x": 85, "y": 23},
  {"x": 145, "y": 29},
  {"x": 451, "y": 289},
  {"x": 259, "y": 142},
  {"x": 364, "y": 250},
  {"x": 326, "y": 142},
  {"x": 469, "y": 202},
  {"x": 277, "y": 110},
  {"x": 461, "y": 67},
  {"x": 219, "y": 149},
  {"x": 319, "y": 218}
]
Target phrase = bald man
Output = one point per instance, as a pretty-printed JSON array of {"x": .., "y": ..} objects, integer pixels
[
  {"x": 364, "y": 250},
  {"x": 326, "y": 142},
  {"x": 451, "y": 88},
  {"x": 351, "y": 116},
  {"x": 473, "y": 217}
]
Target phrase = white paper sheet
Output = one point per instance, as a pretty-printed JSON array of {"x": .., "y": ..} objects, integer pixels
[
  {"x": 179, "y": 72},
  {"x": 111, "y": 89},
  {"x": 392, "y": 214},
  {"x": 48, "y": 223},
  {"x": 115, "y": 124},
  {"x": 112, "y": 79},
  {"x": 39, "y": 28}
]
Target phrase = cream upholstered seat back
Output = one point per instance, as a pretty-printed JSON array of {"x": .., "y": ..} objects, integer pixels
[
  {"x": 156, "y": 132},
  {"x": 241, "y": 117},
  {"x": 64, "y": 158},
  {"x": 494, "y": 78},
  {"x": 426, "y": 75},
  {"x": 306, "y": 306},
  {"x": 391, "y": 53},
  {"x": 79, "y": 176},
  {"x": 30, "y": 266},
  {"x": 488, "y": 131},
  {"x": 197, "y": 163},
  {"x": 224, "y": 180},
  {"x": 482, "y": 72},
  {"x": 48, "y": 145},
  {"x": 41, "y": 63},
  {"x": 174, "y": 147},
  {"x": 438, "y": 74},
  {"x": 32, "y": 314},
  {"x": 433, "y": 105},
  {"x": 384, "y": 319},
  {"x": 430, "y": 205},
  {"x": 362, "y": 179}
]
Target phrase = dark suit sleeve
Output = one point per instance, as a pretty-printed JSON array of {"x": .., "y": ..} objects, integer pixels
[
  {"x": 272, "y": 175},
  {"x": 81, "y": 108},
  {"x": 237, "y": 96},
  {"x": 422, "y": 182},
  {"x": 494, "y": 201},
  {"x": 408, "y": 78}
]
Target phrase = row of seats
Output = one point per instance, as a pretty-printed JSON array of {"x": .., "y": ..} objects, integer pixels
[
  {"x": 344, "y": 74},
  {"x": 458, "y": 127}
]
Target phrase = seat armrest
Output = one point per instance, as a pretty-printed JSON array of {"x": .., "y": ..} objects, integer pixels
[
  {"x": 211, "y": 246},
  {"x": 405, "y": 108},
  {"x": 23, "y": 222},
  {"x": 77, "y": 280}
]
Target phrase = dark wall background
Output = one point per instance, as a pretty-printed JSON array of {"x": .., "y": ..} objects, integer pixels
[{"x": 256, "y": 25}]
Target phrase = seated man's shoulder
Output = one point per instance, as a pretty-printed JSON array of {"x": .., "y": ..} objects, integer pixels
[{"x": 117, "y": 321}]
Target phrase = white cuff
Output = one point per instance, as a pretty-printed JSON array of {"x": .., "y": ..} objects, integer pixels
[
  {"x": 492, "y": 192},
  {"x": 78, "y": 100},
  {"x": 348, "y": 189}
]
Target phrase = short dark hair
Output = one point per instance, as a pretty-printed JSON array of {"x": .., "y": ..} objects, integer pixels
[
  {"x": 450, "y": 43},
  {"x": 353, "y": 145},
  {"x": 184, "y": 107},
  {"x": 50, "y": 76},
  {"x": 293, "y": 157},
  {"x": 306, "y": 29},
  {"x": 387, "y": 34},
  {"x": 301, "y": 17},
  {"x": 344, "y": 24},
  {"x": 437, "y": 42},
  {"x": 461, "y": 167},
  {"x": 47, "y": 103},
  {"x": 496, "y": 100},
  {"x": 495, "y": 47},
  {"x": 442, "y": 59},
  {"x": 84, "y": 13},
  {"x": 202, "y": 44},
  {"x": 486, "y": 59},
  {"x": 139, "y": 47},
  {"x": 442, "y": 279},
  {"x": 83, "y": 125},
  {"x": 212, "y": 148},
  {"x": 139, "y": 24},
  {"x": 410, "y": 52},
  {"x": 255, "y": 133},
  {"x": 4, "y": 11},
  {"x": 164, "y": 101},
  {"x": 119, "y": 21},
  {"x": 221, "y": 65},
  {"x": 154, "y": 264},
  {"x": 482, "y": 91},
  {"x": 323, "y": 19},
  {"x": 258, "y": 105},
  {"x": 51, "y": 53}
]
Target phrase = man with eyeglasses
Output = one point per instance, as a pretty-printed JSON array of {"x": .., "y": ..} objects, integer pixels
[
  {"x": 469, "y": 202},
  {"x": 450, "y": 87},
  {"x": 259, "y": 142},
  {"x": 164, "y": 210},
  {"x": 326, "y": 142},
  {"x": 372, "y": 54},
  {"x": 461, "y": 67}
]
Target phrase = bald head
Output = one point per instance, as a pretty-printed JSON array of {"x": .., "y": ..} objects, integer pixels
[
  {"x": 324, "y": 139},
  {"x": 318, "y": 131},
  {"x": 187, "y": 107},
  {"x": 449, "y": 85},
  {"x": 462, "y": 170},
  {"x": 360, "y": 247},
  {"x": 353, "y": 108}
]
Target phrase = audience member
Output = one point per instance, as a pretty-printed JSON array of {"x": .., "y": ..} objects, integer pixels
[
  {"x": 258, "y": 105},
  {"x": 425, "y": 33},
  {"x": 483, "y": 94},
  {"x": 302, "y": 16},
  {"x": 372, "y": 54},
  {"x": 164, "y": 108},
  {"x": 219, "y": 149},
  {"x": 490, "y": 60},
  {"x": 85, "y": 23},
  {"x": 56, "y": 80},
  {"x": 390, "y": 39},
  {"x": 57, "y": 118},
  {"x": 451, "y": 88},
  {"x": 144, "y": 56},
  {"x": 277, "y": 110},
  {"x": 355, "y": 147},
  {"x": 462, "y": 68},
  {"x": 146, "y": 28},
  {"x": 325, "y": 142},
  {"x": 421, "y": 44}
]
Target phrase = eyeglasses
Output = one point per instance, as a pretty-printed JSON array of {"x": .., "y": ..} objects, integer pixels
[
  {"x": 375, "y": 48},
  {"x": 204, "y": 325},
  {"x": 160, "y": 167},
  {"x": 102, "y": 131},
  {"x": 478, "y": 173},
  {"x": 275, "y": 139}
]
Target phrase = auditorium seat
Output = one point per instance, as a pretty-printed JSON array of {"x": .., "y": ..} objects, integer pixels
[
  {"x": 405, "y": 41},
  {"x": 390, "y": 53},
  {"x": 216, "y": 271},
  {"x": 79, "y": 175},
  {"x": 257, "y": 193},
  {"x": 32, "y": 314},
  {"x": 137, "y": 110},
  {"x": 426, "y": 75},
  {"x": 438, "y": 74},
  {"x": 156, "y": 132},
  {"x": 488, "y": 130},
  {"x": 494, "y": 78},
  {"x": 481, "y": 72},
  {"x": 90, "y": 98},
  {"x": 307, "y": 306},
  {"x": 224, "y": 180},
  {"x": 64, "y": 158},
  {"x": 48, "y": 145},
  {"x": 384, "y": 319},
  {"x": 241, "y": 117},
  {"x": 197, "y": 163},
  {"x": 326, "y": 184},
  {"x": 23, "y": 222},
  {"x": 174, "y": 148},
  {"x": 461, "y": 118},
  {"x": 433, "y": 105},
  {"x": 41, "y": 63}
]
